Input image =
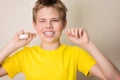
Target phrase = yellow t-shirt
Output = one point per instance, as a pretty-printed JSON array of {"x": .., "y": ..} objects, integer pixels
[{"x": 39, "y": 64}]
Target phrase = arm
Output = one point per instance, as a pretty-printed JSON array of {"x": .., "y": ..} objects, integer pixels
[
  {"x": 104, "y": 66},
  {"x": 12, "y": 46},
  {"x": 95, "y": 71},
  {"x": 2, "y": 72}
]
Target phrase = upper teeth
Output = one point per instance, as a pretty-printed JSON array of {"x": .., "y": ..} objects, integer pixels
[{"x": 49, "y": 33}]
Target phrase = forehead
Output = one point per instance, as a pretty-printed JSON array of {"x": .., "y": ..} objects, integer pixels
[{"x": 48, "y": 12}]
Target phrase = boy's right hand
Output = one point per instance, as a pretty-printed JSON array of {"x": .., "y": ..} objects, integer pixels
[
  {"x": 18, "y": 43},
  {"x": 15, "y": 44}
]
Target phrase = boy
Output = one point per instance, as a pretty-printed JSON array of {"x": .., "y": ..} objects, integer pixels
[{"x": 52, "y": 60}]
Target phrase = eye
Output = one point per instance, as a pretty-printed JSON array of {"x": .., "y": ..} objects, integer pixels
[
  {"x": 55, "y": 20},
  {"x": 41, "y": 21}
]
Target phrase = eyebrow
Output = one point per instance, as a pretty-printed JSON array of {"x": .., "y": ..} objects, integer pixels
[{"x": 46, "y": 19}]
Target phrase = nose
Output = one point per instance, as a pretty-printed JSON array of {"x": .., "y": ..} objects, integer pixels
[{"x": 49, "y": 25}]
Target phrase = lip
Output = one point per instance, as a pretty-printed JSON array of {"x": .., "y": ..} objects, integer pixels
[{"x": 49, "y": 33}]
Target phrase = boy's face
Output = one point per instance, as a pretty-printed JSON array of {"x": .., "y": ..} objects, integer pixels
[{"x": 49, "y": 25}]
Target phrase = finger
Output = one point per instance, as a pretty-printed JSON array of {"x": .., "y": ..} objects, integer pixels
[
  {"x": 18, "y": 33},
  {"x": 29, "y": 40},
  {"x": 72, "y": 31},
  {"x": 33, "y": 35},
  {"x": 85, "y": 33},
  {"x": 76, "y": 33},
  {"x": 68, "y": 32},
  {"x": 80, "y": 33},
  {"x": 28, "y": 35}
]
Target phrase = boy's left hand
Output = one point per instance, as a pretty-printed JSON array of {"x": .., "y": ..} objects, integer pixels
[{"x": 79, "y": 36}]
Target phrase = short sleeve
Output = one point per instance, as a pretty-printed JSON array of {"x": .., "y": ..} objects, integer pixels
[
  {"x": 84, "y": 61},
  {"x": 12, "y": 64}
]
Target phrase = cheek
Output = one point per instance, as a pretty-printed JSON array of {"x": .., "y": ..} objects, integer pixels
[
  {"x": 59, "y": 30},
  {"x": 60, "y": 27},
  {"x": 39, "y": 29}
]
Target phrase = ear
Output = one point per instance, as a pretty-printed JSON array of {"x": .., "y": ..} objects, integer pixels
[{"x": 64, "y": 24}]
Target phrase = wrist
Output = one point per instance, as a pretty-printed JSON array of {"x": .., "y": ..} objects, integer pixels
[
  {"x": 6, "y": 51},
  {"x": 88, "y": 45},
  {"x": 11, "y": 46}
]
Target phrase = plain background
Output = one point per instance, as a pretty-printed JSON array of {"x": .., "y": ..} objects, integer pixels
[{"x": 100, "y": 17}]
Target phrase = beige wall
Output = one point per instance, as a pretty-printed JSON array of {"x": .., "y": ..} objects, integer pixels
[{"x": 100, "y": 17}]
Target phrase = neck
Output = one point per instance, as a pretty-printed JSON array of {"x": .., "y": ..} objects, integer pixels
[{"x": 50, "y": 46}]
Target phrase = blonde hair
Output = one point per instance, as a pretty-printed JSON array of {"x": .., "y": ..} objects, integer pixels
[{"x": 57, "y": 4}]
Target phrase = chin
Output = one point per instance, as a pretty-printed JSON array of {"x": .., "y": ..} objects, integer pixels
[{"x": 50, "y": 40}]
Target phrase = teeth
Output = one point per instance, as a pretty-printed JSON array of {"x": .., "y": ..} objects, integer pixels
[{"x": 49, "y": 33}]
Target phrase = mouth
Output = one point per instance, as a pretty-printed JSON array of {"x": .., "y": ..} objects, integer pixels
[{"x": 49, "y": 33}]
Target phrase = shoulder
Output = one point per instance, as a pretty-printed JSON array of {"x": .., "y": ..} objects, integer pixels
[
  {"x": 25, "y": 50},
  {"x": 73, "y": 49},
  {"x": 28, "y": 48},
  {"x": 76, "y": 50}
]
